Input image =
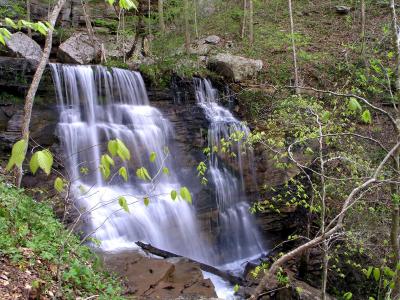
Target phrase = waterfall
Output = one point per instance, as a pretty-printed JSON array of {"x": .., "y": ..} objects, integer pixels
[
  {"x": 96, "y": 105},
  {"x": 239, "y": 238}
]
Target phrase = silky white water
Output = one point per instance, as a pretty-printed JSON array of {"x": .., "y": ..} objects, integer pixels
[
  {"x": 97, "y": 104},
  {"x": 239, "y": 236}
]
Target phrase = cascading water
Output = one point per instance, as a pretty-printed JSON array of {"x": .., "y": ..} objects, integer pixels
[
  {"x": 239, "y": 237},
  {"x": 97, "y": 105}
]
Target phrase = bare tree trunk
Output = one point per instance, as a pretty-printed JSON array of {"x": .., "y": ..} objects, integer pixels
[
  {"x": 149, "y": 16},
  {"x": 296, "y": 75},
  {"x": 161, "y": 15},
  {"x": 394, "y": 232},
  {"x": 244, "y": 18},
  {"x": 396, "y": 43},
  {"x": 28, "y": 16},
  {"x": 251, "y": 22},
  {"x": 137, "y": 46},
  {"x": 363, "y": 42},
  {"x": 187, "y": 33},
  {"x": 196, "y": 26},
  {"x": 29, "y": 99}
]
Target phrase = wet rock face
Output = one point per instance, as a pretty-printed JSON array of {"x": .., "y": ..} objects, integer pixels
[
  {"x": 151, "y": 278},
  {"x": 79, "y": 49},
  {"x": 21, "y": 45}
]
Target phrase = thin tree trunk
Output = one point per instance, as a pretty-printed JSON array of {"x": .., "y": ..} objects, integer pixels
[
  {"x": 28, "y": 16},
  {"x": 29, "y": 99},
  {"x": 187, "y": 33},
  {"x": 244, "y": 18},
  {"x": 137, "y": 46},
  {"x": 196, "y": 25},
  {"x": 161, "y": 15},
  {"x": 363, "y": 42},
  {"x": 251, "y": 22},
  {"x": 396, "y": 43},
  {"x": 296, "y": 75},
  {"x": 394, "y": 232}
]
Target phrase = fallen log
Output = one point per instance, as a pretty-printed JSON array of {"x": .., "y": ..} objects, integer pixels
[{"x": 166, "y": 254}]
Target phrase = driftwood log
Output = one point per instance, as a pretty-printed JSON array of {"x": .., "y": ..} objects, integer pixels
[{"x": 165, "y": 254}]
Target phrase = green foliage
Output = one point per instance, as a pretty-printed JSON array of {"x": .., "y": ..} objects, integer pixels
[
  {"x": 43, "y": 160},
  {"x": 185, "y": 194},
  {"x": 174, "y": 194},
  {"x": 59, "y": 184},
  {"x": 29, "y": 225},
  {"x": 17, "y": 154},
  {"x": 123, "y": 173},
  {"x": 143, "y": 174},
  {"x": 153, "y": 157},
  {"x": 123, "y": 203}
]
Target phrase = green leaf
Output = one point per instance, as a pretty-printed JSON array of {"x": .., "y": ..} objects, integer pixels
[
  {"x": 185, "y": 194},
  {"x": 377, "y": 274},
  {"x": 347, "y": 296},
  {"x": 366, "y": 117},
  {"x": 153, "y": 157},
  {"x": 354, "y": 105},
  {"x": 369, "y": 272},
  {"x": 45, "y": 160},
  {"x": 112, "y": 147},
  {"x": 122, "y": 150},
  {"x": 59, "y": 184},
  {"x": 18, "y": 153},
  {"x": 34, "y": 163},
  {"x": 174, "y": 194},
  {"x": 2, "y": 39},
  {"x": 326, "y": 116},
  {"x": 146, "y": 201},
  {"x": 143, "y": 174},
  {"x": 11, "y": 23},
  {"x": 105, "y": 170},
  {"x": 236, "y": 288},
  {"x": 123, "y": 203},
  {"x": 123, "y": 173},
  {"x": 165, "y": 171}
]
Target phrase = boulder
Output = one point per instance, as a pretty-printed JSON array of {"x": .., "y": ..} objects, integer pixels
[
  {"x": 234, "y": 67},
  {"x": 342, "y": 10},
  {"x": 152, "y": 278},
  {"x": 21, "y": 45},
  {"x": 213, "y": 39},
  {"x": 80, "y": 48}
]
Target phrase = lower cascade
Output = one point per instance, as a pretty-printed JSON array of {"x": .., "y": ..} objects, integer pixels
[
  {"x": 96, "y": 105},
  {"x": 239, "y": 239}
]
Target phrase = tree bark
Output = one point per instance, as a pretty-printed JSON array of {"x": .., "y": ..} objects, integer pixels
[
  {"x": 166, "y": 254},
  {"x": 296, "y": 72},
  {"x": 161, "y": 15},
  {"x": 187, "y": 32},
  {"x": 396, "y": 43},
  {"x": 30, "y": 97},
  {"x": 251, "y": 23},
  {"x": 363, "y": 41},
  {"x": 244, "y": 18}
]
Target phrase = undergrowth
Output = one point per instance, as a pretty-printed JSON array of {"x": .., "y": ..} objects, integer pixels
[{"x": 28, "y": 226}]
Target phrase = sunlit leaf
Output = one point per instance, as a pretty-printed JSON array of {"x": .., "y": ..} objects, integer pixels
[
  {"x": 174, "y": 194},
  {"x": 123, "y": 173},
  {"x": 366, "y": 117},
  {"x": 185, "y": 194},
  {"x": 123, "y": 203},
  {"x": 153, "y": 156},
  {"x": 143, "y": 174},
  {"x": 17, "y": 154},
  {"x": 146, "y": 201},
  {"x": 59, "y": 184}
]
